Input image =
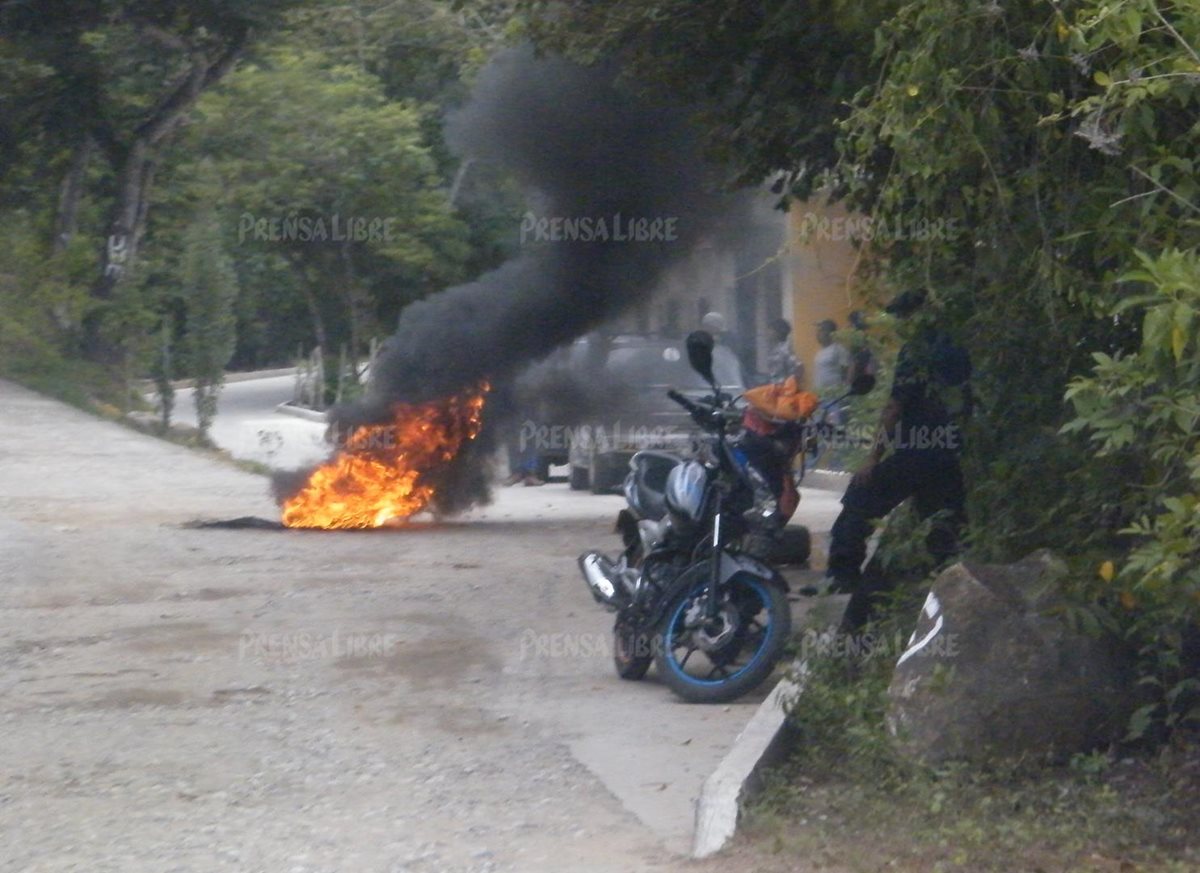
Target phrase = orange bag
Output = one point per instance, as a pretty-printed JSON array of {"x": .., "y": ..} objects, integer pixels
[{"x": 782, "y": 401}]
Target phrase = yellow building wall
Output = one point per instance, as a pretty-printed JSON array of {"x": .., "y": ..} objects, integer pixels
[{"x": 819, "y": 267}]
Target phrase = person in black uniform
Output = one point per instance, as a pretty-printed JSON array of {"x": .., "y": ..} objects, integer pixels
[{"x": 915, "y": 455}]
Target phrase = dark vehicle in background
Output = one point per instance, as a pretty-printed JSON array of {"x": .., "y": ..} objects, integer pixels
[{"x": 634, "y": 373}]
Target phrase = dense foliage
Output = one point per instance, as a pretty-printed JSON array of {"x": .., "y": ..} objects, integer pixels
[
  {"x": 302, "y": 110},
  {"x": 1062, "y": 136}
]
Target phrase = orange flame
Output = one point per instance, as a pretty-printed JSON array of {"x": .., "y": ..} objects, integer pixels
[{"x": 382, "y": 472}]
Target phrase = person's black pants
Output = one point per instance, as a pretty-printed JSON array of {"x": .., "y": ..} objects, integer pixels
[{"x": 933, "y": 479}]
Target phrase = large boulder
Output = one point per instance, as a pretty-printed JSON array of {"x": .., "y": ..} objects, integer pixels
[{"x": 992, "y": 671}]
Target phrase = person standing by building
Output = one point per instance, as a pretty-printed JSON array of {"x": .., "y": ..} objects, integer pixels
[
  {"x": 714, "y": 323},
  {"x": 831, "y": 364},
  {"x": 781, "y": 360}
]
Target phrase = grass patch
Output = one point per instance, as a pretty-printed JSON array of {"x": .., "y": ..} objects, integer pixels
[
  {"x": 95, "y": 389},
  {"x": 81, "y": 384},
  {"x": 189, "y": 437},
  {"x": 846, "y": 800}
]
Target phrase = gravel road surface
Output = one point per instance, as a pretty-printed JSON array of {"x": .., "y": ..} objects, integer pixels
[{"x": 437, "y": 698}]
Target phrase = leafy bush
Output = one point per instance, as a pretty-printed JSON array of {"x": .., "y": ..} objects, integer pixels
[
  {"x": 43, "y": 300},
  {"x": 43, "y": 295},
  {"x": 1060, "y": 141},
  {"x": 1149, "y": 401}
]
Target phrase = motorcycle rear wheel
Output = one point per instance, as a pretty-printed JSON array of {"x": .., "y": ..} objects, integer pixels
[{"x": 716, "y": 677}]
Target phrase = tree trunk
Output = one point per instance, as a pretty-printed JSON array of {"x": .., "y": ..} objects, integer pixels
[
  {"x": 459, "y": 177},
  {"x": 318, "y": 321},
  {"x": 310, "y": 301},
  {"x": 135, "y": 170},
  {"x": 120, "y": 245},
  {"x": 66, "y": 218},
  {"x": 354, "y": 302}
]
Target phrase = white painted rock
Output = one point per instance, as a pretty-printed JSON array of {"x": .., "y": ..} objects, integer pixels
[{"x": 991, "y": 672}]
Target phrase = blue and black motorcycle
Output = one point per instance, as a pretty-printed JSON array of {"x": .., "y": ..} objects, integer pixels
[{"x": 691, "y": 591}]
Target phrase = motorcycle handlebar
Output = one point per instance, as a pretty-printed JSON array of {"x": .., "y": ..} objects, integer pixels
[
  {"x": 709, "y": 417},
  {"x": 683, "y": 401}
]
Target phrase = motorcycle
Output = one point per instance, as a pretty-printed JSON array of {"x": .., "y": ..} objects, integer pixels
[{"x": 694, "y": 590}]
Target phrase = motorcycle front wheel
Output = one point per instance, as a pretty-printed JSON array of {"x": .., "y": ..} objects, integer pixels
[{"x": 718, "y": 661}]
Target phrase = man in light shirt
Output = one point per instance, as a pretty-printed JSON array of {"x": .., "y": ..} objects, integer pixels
[
  {"x": 831, "y": 365},
  {"x": 781, "y": 360}
]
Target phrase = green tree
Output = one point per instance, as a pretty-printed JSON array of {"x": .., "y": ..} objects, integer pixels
[
  {"x": 118, "y": 77},
  {"x": 426, "y": 53},
  {"x": 162, "y": 371},
  {"x": 209, "y": 288},
  {"x": 305, "y": 147},
  {"x": 1041, "y": 146},
  {"x": 105, "y": 115}
]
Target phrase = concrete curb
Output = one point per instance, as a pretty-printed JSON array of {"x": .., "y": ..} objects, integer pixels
[
  {"x": 258, "y": 374},
  {"x": 301, "y": 412},
  {"x": 148, "y": 387},
  {"x": 739, "y": 774}
]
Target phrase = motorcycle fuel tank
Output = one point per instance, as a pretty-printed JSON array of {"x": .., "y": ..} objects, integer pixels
[{"x": 685, "y": 490}]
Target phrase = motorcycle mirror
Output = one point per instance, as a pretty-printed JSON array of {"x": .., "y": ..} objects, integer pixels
[
  {"x": 700, "y": 354},
  {"x": 863, "y": 383}
]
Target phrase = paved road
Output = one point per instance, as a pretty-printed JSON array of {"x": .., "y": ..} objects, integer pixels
[
  {"x": 248, "y": 427},
  {"x": 432, "y": 699},
  {"x": 245, "y": 398}
]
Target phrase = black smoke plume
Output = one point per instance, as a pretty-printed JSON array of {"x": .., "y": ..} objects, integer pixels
[{"x": 582, "y": 148}]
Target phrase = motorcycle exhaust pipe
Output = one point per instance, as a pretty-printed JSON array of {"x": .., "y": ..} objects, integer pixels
[{"x": 602, "y": 578}]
